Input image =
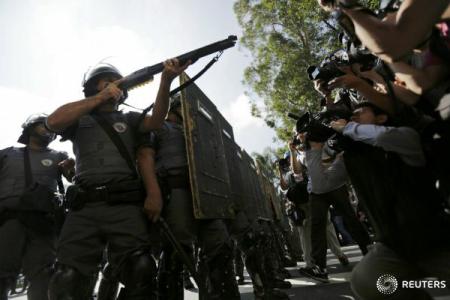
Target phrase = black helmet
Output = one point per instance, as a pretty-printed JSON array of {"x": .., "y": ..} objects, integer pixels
[
  {"x": 175, "y": 102},
  {"x": 93, "y": 75},
  {"x": 29, "y": 124}
]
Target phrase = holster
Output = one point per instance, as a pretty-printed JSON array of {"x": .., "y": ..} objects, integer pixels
[
  {"x": 74, "y": 198},
  {"x": 123, "y": 192},
  {"x": 173, "y": 179}
]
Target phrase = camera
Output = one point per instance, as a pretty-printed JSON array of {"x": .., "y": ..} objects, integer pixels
[
  {"x": 296, "y": 141},
  {"x": 317, "y": 125},
  {"x": 329, "y": 68},
  {"x": 283, "y": 163}
]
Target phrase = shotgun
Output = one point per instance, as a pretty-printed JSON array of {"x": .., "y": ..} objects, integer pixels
[{"x": 146, "y": 74}]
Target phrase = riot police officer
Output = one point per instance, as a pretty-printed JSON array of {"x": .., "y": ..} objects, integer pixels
[
  {"x": 106, "y": 202},
  {"x": 29, "y": 178},
  {"x": 212, "y": 235}
]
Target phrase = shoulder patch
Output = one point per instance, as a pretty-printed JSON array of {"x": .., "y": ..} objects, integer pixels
[
  {"x": 120, "y": 127},
  {"x": 47, "y": 162}
]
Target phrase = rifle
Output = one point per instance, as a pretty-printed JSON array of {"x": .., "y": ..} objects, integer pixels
[{"x": 146, "y": 74}]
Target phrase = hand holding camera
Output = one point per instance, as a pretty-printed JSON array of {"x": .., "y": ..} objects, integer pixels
[
  {"x": 347, "y": 81},
  {"x": 338, "y": 125}
]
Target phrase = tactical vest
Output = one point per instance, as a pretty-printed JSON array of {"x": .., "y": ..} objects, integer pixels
[
  {"x": 400, "y": 200},
  {"x": 170, "y": 148},
  {"x": 98, "y": 162},
  {"x": 44, "y": 169}
]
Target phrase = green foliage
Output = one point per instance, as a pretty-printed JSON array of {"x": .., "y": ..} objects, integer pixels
[
  {"x": 267, "y": 161},
  {"x": 284, "y": 37}
]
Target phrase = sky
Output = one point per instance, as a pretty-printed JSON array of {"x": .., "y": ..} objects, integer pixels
[{"x": 48, "y": 45}]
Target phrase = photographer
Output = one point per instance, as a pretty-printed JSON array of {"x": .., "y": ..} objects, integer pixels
[
  {"x": 303, "y": 207},
  {"x": 388, "y": 170},
  {"x": 392, "y": 40},
  {"x": 327, "y": 186}
]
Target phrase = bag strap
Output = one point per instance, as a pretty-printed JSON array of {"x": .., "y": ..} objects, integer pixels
[
  {"x": 117, "y": 141},
  {"x": 27, "y": 167}
]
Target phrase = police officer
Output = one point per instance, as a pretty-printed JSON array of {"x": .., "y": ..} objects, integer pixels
[
  {"x": 254, "y": 242},
  {"x": 106, "y": 202},
  {"x": 212, "y": 235},
  {"x": 28, "y": 181}
]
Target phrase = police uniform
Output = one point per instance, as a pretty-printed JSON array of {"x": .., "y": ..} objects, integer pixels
[
  {"x": 212, "y": 235},
  {"x": 106, "y": 211},
  {"x": 27, "y": 229}
]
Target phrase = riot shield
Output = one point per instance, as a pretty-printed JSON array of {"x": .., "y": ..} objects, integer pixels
[
  {"x": 266, "y": 208},
  {"x": 258, "y": 201},
  {"x": 248, "y": 199},
  {"x": 272, "y": 203},
  {"x": 208, "y": 171},
  {"x": 233, "y": 163},
  {"x": 275, "y": 201}
]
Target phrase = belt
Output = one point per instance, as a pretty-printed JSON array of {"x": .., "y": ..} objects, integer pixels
[
  {"x": 117, "y": 192},
  {"x": 119, "y": 187}
]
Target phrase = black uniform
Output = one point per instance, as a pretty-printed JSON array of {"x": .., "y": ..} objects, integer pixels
[
  {"x": 106, "y": 211},
  {"x": 27, "y": 229}
]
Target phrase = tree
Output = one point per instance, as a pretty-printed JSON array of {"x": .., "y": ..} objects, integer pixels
[
  {"x": 267, "y": 162},
  {"x": 284, "y": 37}
]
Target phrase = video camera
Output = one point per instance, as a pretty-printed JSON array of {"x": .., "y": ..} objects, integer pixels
[
  {"x": 317, "y": 125},
  {"x": 329, "y": 68}
]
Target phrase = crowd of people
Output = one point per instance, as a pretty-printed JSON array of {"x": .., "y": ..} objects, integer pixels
[
  {"x": 371, "y": 168},
  {"x": 382, "y": 133}
]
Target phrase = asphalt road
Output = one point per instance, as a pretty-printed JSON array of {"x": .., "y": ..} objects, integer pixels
[{"x": 307, "y": 289}]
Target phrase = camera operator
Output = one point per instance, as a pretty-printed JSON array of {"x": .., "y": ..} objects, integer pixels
[
  {"x": 387, "y": 168},
  {"x": 295, "y": 190},
  {"x": 297, "y": 179},
  {"x": 327, "y": 186},
  {"x": 419, "y": 101},
  {"x": 392, "y": 40}
]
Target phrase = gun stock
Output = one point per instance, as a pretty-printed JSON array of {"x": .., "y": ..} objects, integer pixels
[{"x": 146, "y": 74}]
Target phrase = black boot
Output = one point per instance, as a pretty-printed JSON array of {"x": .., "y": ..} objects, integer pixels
[
  {"x": 187, "y": 281},
  {"x": 221, "y": 274},
  {"x": 109, "y": 285},
  {"x": 38, "y": 288},
  {"x": 138, "y": 275},
  {"x": 170, "y": 277},
  {"x": 4, "y": 288},
  {"x": 69, "y": 284}
]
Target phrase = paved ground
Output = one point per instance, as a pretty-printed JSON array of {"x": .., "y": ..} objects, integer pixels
[{"x": 306, "y": 289}]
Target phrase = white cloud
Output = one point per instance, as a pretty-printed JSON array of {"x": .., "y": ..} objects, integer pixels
[
  {"x": 238, "y": 113},
  {"x": 52, "y": 43},
  {"x": 249, "y": 132},
  {"x": 18, "y": 105}
]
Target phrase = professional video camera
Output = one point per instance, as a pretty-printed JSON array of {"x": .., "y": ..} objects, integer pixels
[
  {"x": 330, "y": 66},
  {"x": 317, "y": 125}
]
